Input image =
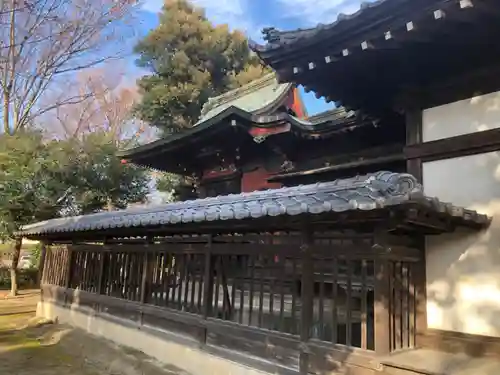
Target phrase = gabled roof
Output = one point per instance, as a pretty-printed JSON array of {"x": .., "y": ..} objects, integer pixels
[
  {"x": 362, "y": 193},
  {"x": 374, "y": 59},
  {"x": 255, "y": 97}
]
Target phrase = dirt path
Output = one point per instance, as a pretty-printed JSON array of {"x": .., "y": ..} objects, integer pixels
[{"x": 29, "y": 347}]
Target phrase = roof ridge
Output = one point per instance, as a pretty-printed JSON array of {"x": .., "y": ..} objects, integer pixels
[{"x": 238, "y": 92}]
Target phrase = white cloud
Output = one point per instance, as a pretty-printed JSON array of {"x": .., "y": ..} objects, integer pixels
[{"x": 318, "y": 11}]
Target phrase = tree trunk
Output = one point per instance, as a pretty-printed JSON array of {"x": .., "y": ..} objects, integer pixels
[
  {"x": 15, "y": 262},
  {"x": 6, "y": 113}
]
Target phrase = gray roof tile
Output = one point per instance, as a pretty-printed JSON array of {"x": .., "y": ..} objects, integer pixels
[{"x": 365, "y": 192}]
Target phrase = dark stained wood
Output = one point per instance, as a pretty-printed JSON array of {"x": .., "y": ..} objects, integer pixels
[
  {"x": 462, "y": 145},
  {"x": 352, "y": 165}
]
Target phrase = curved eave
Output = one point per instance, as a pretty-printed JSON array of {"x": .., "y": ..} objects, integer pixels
[{"x": 237, "y": 117}]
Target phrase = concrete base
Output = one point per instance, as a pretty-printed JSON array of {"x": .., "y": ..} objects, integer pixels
[{"x": 183, "y": 355}]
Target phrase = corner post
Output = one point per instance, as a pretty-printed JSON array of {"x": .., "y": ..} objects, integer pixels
[{"x": 41, "y": 262}]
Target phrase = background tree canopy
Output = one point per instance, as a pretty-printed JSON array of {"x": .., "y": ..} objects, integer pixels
[
  {"x": 190, "y": 60},
  {"x": 42, "y": 179}
]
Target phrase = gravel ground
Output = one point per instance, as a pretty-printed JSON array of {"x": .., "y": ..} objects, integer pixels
[{"x": 31, "y": 346}]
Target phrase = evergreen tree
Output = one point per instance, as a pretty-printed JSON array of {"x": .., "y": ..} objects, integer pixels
[{"x": 190, "y": 60}]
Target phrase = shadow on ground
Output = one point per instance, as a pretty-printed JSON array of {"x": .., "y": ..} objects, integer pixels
[{"x": 32, "y": 346}]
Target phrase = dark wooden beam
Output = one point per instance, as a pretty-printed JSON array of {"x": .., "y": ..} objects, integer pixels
[{"x": 462, "y": 145}]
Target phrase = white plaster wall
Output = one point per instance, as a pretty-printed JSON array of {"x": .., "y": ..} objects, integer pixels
[
  {"x": 463, "y": 117},
  {"x": 463, "y": 269}
]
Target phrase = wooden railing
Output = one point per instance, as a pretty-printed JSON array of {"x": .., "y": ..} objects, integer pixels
[{"x": 322, "y": 299}]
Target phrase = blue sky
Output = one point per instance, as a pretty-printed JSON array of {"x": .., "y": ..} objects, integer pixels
[{"x": 251, "y": 16}]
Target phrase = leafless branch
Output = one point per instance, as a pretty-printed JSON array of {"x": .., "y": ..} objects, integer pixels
[{"x": 44, "y": 43}]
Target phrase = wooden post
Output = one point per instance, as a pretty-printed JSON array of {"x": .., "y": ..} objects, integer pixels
[
  {"x": 306, "y": 295},
  {"x": 41, "y": 262}
]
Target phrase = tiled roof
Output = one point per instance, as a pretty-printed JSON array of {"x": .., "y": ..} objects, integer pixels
[
  {"x": 253, "y": 97},
  {"x": 277, "y": 38},
  {"x": 366, "y": 192}
]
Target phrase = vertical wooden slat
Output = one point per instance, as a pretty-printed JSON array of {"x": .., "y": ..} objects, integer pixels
[
  {"x": 110, "y": 278},
  {"x": 411, "y": 307},
  {"x": 70, "y": 270},
  {"x": 192, "y": 282},
  {"x": 282, "y": 273},
  {"x": 348, "y": 305},
  {"x": 321, "y": 301},
  {"x": 335, "y": 320},
  {"x": 186, "y": 281},
  {"x": 364, "y": 313},
  {"x": 307, "y": 291},
  {"x": 217, "y": 286},
  {"x": 175, "y": 269},
  {"x": 381, "y": 308},
  {"x": 271, "y": 294},
  {"x": 200, "y": 287},
  {"x": 419, "y": 282},
  {"x": 398, "y": 311},
  {"x": 171, "y": 279},
  {"x": 100, "y": 285},
  {"x": 147, "y": 274},
  {"x": 251, "y": 265},
  {"x": 227, "y": 308},
  {"x": 295, "y": 293},
  {"x": 208, "y": 280},
  {"x": 244, "y": 265},
  {"x": 165, "y": 278},
  {"x": 233, "y": 265},
  {"x": 261, "y": 295},
  {"x": 131, "y": 276},
  {"x": 405, "y": 304}
]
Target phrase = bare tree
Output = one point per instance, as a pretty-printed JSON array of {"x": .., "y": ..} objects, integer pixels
[
  {"x": 107, "y": 108},
  {"x": 43, "y": 42}
]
